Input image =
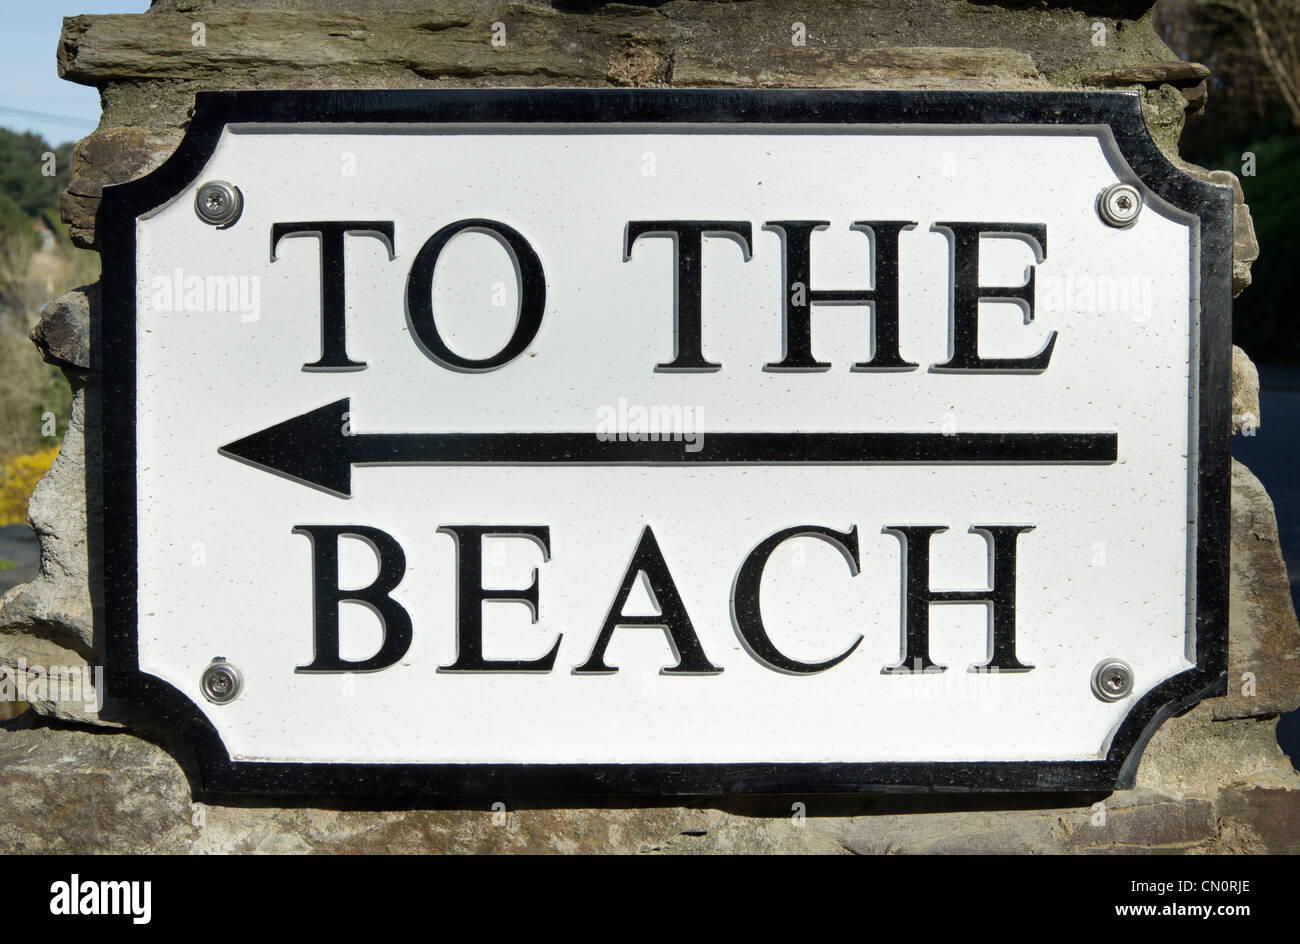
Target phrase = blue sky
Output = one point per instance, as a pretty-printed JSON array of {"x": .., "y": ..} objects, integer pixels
[{"x": 32, "y": 96}]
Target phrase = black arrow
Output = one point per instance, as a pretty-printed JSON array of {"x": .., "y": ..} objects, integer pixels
[{"x": 317, "y": 448}]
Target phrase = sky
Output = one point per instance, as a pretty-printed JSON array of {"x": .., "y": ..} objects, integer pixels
[{"x": 32, "y": 96}]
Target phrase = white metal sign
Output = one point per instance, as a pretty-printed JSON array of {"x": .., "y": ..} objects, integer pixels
[{"x": 665, "y": 442}]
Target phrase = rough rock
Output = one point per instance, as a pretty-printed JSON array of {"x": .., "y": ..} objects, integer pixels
[
  {"x": 1165, "y": 111},
  {"x": 1187, "y": 78},
  {"x": 1245, "y": 248},
  {"x": 1196, "y": 96},
  {"x": 1271, "y": 815},
  {"x": 1245, "y": 394},
  {"x": 1264, "y": 643},
  {"x": 64, "y": 790},
  {"x": 74, "y": 791},
  {"x": 1197, "y": 756},
  {"x": 453, "y": 40},
  {"x": 272, "y": 40},
  {"x": 1134, "y": 821},
  {"x": 63, "y": 333},
  {"x": 919, "y": 67},
  {"x": 109, "y": 156},
  {"x": 1176, "y": 73}
]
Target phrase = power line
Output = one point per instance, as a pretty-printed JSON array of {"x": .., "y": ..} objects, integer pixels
[{"x": 46, "y": 116}]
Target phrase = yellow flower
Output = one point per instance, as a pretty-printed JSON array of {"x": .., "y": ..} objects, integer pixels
[{"x": 18, "y": 477}]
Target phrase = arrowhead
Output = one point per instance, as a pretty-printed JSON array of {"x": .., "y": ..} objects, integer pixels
[{"x": 312, "y": 449}]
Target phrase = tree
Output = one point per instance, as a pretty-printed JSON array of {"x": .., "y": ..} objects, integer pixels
[
  {"x": 1246, "y": 100},
  {"x": 1272, "y": 27},
  {"x": 24, "y": 167}
]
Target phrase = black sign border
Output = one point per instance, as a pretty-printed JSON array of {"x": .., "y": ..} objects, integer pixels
[{"x": 113, "y": 340}]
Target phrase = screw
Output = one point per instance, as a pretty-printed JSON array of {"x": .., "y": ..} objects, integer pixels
[
  {"x": 1112, "y": 680},
  {"x": 221, "y": 682},
  {"x": 219, "y": 203},
  {"x": 1119, "y": 205}
]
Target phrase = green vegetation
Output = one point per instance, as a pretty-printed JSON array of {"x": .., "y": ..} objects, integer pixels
[
  {"x": 22, "y": 173},
  {"x": 37, "y": 263},
  {"x": 14, "y": 220}
]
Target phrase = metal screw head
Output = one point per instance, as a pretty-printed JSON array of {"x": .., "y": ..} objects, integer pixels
[
  {"x": 1112, "y": 680},
  {"x": 221, "y": 682},
  {"x": 1119, "y": 205},
  {"x": 219, "y": 203}
]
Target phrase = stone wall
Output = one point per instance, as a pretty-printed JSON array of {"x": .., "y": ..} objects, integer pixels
[{"x": 1213, "y": 780}]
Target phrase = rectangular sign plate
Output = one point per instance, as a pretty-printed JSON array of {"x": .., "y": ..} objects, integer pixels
[{"x": 555, "y": 442}]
